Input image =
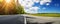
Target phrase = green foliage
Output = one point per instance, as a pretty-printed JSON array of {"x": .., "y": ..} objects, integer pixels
[
  {"x": 20, "y": 10},
  {"x": 47, "y": 14}
]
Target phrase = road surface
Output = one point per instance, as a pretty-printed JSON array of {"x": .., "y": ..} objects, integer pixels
[
  {"x": 42, "y": 20},
  {"x": 11, "y": 19},
  {"x": 19, "y": 19}
]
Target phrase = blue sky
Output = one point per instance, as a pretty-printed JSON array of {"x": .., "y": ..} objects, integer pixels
[
  {"x": 41, "y": 6},
  {"x": 54, "y": 7}
]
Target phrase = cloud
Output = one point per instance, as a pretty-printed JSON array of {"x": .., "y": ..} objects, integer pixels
[
  {"x": 28, "y": 5},
  {"x": 36, "y": 1},
  {"x": 47, "y": 4},
  {"x": 42, "y": 2},
  {"x": 32, "y": 10}
]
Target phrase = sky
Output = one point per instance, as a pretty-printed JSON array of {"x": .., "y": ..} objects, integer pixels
[{"x": 41, "y": 6}]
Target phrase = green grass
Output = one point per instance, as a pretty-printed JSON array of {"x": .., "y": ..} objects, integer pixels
[{"x": 47, "y": 14}]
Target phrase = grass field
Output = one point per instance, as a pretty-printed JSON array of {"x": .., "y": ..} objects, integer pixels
[{"x": 47, "y": 14}]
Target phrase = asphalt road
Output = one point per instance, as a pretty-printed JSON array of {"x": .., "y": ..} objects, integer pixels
[
  {"x": 19, "y": 19},
  {"x": 11, "y": 19},
  {"x": 42, "y": 20}
]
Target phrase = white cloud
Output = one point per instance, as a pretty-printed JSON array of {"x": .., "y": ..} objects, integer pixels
[
  {"x": 35, "y": 8},
  {"x": 32, "y": 10},
  {"x": 42, "y": 2},
  {"x": 36, "y": 1},
  {"x": 47, "y": 4},
  {"x": 27, "y": 4}
]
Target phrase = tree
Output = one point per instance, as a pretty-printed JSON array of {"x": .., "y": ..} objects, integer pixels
[
  {"x": 11, "y": 8},
  {"x": 20, "y": 8}
]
